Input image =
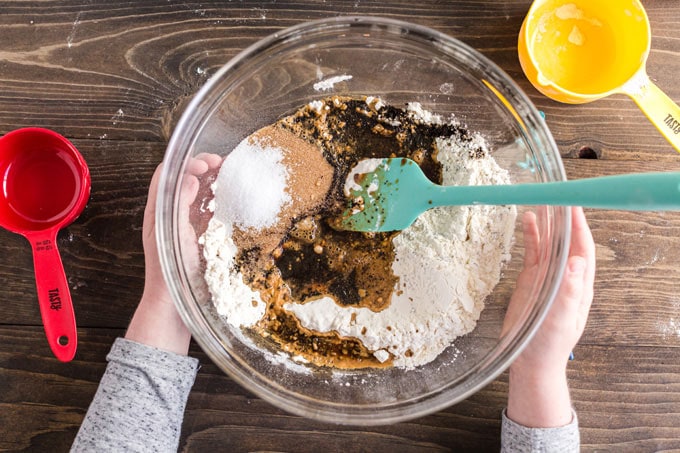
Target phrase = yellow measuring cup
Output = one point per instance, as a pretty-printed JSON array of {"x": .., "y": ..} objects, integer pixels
[{"x": 578, "y": 51}]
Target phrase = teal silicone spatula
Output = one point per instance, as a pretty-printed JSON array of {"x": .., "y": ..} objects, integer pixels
[{"x": 389, "y": 194}]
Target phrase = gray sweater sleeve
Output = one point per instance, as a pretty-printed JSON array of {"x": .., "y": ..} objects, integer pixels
[
  {"x": 518, "y": 438},
  {"x": 139, "y": 405}
]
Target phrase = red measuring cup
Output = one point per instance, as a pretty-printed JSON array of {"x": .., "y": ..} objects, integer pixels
[{"x": 45, "y": 186}]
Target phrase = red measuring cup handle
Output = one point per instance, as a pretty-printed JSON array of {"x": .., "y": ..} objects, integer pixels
[{"x": 54, "y": 296}]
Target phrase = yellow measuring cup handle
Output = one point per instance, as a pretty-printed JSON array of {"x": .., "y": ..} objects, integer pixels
[{"x": 659, "y": 108}]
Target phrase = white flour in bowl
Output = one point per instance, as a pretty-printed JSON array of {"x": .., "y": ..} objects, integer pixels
[{"x": 445, "y": 264}]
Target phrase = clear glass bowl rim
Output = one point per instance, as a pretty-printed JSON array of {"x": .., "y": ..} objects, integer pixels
[{"x": 167, "y": 238}]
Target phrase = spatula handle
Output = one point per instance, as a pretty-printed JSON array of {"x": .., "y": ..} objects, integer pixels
[{"x": 632, "y": 192}]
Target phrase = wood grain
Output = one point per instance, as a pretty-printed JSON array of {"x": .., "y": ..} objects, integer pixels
[
  {"x": 627, "y": 398},
  {"x": 120, "y": 70},
  {"x": 115, "y": 77}
]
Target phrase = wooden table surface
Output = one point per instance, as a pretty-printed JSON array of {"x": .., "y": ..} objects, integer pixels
[{"x": 114, "y": 77}]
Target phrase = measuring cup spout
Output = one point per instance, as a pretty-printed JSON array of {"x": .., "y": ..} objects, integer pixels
[{"x": 660, "y": 109}]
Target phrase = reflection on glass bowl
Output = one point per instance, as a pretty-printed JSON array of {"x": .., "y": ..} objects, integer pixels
[{"x": 400, "y": 63}]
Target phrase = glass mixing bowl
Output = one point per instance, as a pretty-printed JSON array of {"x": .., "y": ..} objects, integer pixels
[{"x": 399, "y": 62}]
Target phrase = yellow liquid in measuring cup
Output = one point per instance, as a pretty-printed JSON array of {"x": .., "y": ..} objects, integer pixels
[{"x": 575, "y": 50}]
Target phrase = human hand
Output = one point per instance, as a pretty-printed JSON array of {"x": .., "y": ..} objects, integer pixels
[
  {"x": 539, "y": 394},
  {"x": 156, "y": 321}
]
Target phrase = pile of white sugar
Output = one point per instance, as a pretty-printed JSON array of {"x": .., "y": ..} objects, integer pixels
[
  {"x": 250, "y": 192},
  {"x": 447, "y": 262},
  {"x": 252, "y": 186}
]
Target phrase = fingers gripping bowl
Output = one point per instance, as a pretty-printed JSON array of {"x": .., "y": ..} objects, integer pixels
[{"x": 400, "y": 74}]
